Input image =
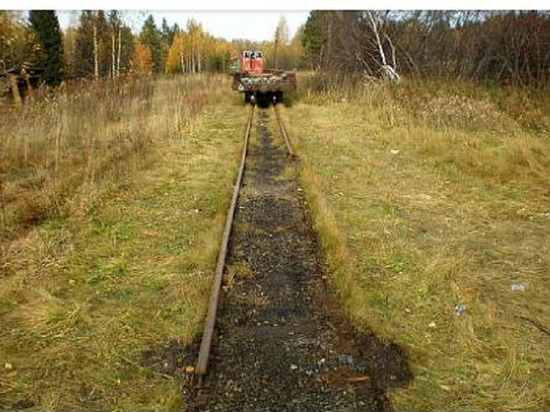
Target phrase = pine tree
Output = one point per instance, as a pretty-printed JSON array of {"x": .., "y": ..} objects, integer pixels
[
  {"x": 127, "y": 41},
  {"x": 168, "y": 33},
  {"x": 46, "y": 26},
  {"x": 151, "y": 37},
  {"x": 312, "y": 39}
]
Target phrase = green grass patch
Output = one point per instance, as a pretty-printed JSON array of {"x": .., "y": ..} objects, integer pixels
[
  {"x": 422, "y": 211},
  {"x": 126, "y": 268}
]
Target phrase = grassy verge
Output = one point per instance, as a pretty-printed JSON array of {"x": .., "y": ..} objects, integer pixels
[
  {"x": 123, "y": 265},
  {"x": 428, "y": 203}
]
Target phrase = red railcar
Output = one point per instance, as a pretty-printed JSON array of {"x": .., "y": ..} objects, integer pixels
[
  {"x": 258, "y": 84},
  {"x": 252, "y": 62}
]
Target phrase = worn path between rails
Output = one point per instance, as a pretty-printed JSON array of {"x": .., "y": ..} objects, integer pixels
[{"x": 282, "y": 342}]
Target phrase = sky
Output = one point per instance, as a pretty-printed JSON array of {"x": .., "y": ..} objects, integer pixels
[{"x": 252, "y": 25}]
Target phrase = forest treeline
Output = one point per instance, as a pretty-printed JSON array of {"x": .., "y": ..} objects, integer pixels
[
  {"x": 103, "y": 45},
  {"x": 504, "y": 47}
]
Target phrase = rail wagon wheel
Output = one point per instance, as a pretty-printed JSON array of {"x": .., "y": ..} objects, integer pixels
[{"x": 277, "y": 97}]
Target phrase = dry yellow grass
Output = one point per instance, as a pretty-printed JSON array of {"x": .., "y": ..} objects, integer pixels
[
  {"x": 424, "y": 205},
  {"x": 123, "y": 264}
]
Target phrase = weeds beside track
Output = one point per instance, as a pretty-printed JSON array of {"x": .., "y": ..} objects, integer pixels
[
  {"x": 93, "y": 292},
  {"x": 426, "y": 203}
]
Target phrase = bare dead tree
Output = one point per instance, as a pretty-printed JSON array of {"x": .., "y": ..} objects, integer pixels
[{"x": 386, "y": 68}]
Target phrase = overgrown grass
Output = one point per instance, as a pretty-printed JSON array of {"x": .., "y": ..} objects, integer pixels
[
  {"x": 122, "y": 264},
  {"x": 431, "y": 197}
]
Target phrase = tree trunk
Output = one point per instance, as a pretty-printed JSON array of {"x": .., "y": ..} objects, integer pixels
[
  {"x": 96, "y": 52},
  {"x": 198, "y": 61},
  {"x": 28, "y": 83},
  {"x": 275, "y": 60},
  {"x": 15, "y": 90},
  {"x": 119, "y": 52},
  {"x": 379, "y": 44},
  {"x": 113, "y": 55},
  {"x": 388, "y": 69}
]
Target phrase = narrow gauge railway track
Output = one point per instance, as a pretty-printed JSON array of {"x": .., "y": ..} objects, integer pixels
[
  {"x": 208, "y": 333},
  {"x": 275, "y": 337},
  {"x": 206, "y": 343},
  {"x": 283, "y": 131}
]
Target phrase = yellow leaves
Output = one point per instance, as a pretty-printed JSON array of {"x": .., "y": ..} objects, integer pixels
[
  {"x": 195, "y": 50},
  {"x": 17, "y": 40},
  {"x": 175, "y": 54},
  {"x": 143, "y": 59}
]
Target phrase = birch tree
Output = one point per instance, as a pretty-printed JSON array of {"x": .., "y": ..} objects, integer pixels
[{"x": 388, "y": 69}]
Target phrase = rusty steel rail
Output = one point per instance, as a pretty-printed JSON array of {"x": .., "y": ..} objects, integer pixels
[
  {"x": 208, "y": 333},
  {"x": 283, "y": 131}
]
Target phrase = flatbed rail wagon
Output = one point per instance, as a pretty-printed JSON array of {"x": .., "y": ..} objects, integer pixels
[{"x": 258, "y": 84}]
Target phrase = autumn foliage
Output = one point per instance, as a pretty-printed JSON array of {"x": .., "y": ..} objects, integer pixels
[{"x": 143, "y": 59}]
